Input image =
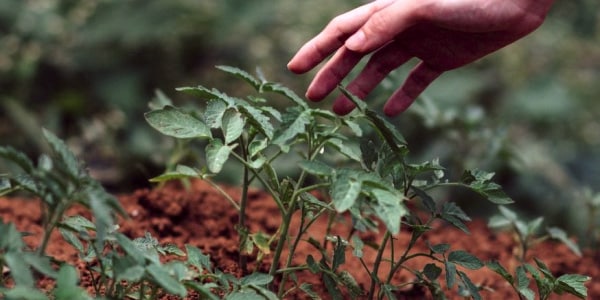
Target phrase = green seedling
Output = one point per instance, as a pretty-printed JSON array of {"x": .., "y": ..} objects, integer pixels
[
  {"x": 527, "y": 235},
  {"x": 360, "y": 161}
]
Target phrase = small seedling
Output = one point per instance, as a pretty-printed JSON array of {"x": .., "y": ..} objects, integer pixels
[
  {"x": 360, "y": 161},
  {"x": 527, "y": 235}
]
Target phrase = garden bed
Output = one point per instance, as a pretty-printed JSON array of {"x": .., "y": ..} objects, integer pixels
[{"x": 200, "y": 216}]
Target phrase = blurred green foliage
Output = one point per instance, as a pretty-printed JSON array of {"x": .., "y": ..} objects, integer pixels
[{"x": 86, "y": 69}]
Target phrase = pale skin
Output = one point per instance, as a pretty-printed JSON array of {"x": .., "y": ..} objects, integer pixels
[{"x": 442, "y": 34}]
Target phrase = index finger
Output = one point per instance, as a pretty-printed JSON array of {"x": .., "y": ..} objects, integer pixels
[{"x": 333, "y": 36}]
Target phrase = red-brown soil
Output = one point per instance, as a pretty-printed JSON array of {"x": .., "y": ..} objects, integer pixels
[{"x": 200, "y": 216}]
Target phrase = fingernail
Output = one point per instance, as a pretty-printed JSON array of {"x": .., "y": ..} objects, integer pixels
[{"x": 356, "y": 41}]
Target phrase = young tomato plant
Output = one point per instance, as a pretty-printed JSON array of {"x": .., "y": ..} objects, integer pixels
[
  {"x": 527, "y": 236},
  {"x": 59, "y": 181},
  {"x": 119, "y": 267},
  {"x": 360, "y": 161}
]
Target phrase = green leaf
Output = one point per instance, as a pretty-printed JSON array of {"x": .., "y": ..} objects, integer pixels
[
  {"x": 573, "y": 284},
  {"x": 78, "y": 223},
  {"x": 313, "y": 267},
  {"x": 480, "y": 182},
  {"x": 332, "y": 287},
  {"x": 354, "y": 127},
  {"x": 159, "y": 101},
  {"x": 256, "y": 146},
  {"x": 351, "y": 284},
  {"x": 508, "y": 214},
  {"x": 271, "y": 111},
  {"x": 345, "y": 189},
  {"x": 103, "y": 206},
  {"x": 165, "y": 280},
  {"x": 130, "y": 248},
  {"x": 213, "y": 115},
  {"x": 24, "y": 293},
  {"x": 388, "y": 291},
  {"x": 339, "y": 253},
  {"x": 522, "y": 282},
  {"x": 204, "y": 290},
  {"x": 292, "y": 128},
  {"x": 41, "y": 264},
  {"x": 66, "y": 156},
  {"x": 72, "y": 239},
  {"x": 207, "y": 94},
  {"x": 272, "y": 173},
  {"x": 19, "y": 271},
  {"x": 261, "y": 241},
  {"x": 428, "y": 202},
  {"x": 465, "y": 259},
  {"x": 259, "y": 279},
  {"x": 18, "y": 158},
  {"x": 432, "y": 272},
  {"x": 198, "y": 259},
  {"x": 282, "y": 90},
  {"x": 388, "y": 207},
  {"x": 387, "y": 131},
  {"x": 307, "y": 289},
  {"x": 216, "y": 155},
  {"x": 353, "y": 153},
  {"x": 357, "y": 246},
  {"x": 450, "y": 274},
  {"x": 439, "y": 248},
  {"x": 67, "y": 285},
  {"x": 233, "y": 126},
  {"x": 561, "y": 235},
  {"x": 370, "y": 154},
  {"x": 127, "y": 268},
  {"x": 174, "y": 122},
  {"x": 313, "y": 201},
  {"x": 454, "y": 215},
  {"x": 316, "y": 168},
  {"x": 10, "y": 238},
  {"x": 258, "y": 120},
  {"x": 473, "y": 290},
  {"x": 181, "y": 172},
  {"x": 173, "y": 250},
  {"x": 500, "y": 270},
  {"x": 241, "y": 74},
  {"x": 498, "y": 222},
  {"x": 245, "y": 294}
]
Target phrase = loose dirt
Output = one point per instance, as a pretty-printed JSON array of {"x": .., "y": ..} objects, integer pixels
[{"x": 200, "y": 216}]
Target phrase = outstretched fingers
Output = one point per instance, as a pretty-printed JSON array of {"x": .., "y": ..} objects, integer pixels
[
  {"x": 333, "y": 36},
  {"x": 418, "y": 79},
  {"x": 336, "y": 69},
  {"x": 379, "y": 66},
  {"x": 385, "y": 24}
]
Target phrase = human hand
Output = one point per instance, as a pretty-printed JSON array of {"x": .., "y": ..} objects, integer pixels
[{"x": 443, "y": 34}]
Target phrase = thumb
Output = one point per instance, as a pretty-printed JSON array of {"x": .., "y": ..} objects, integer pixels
[{"x": 383, "y": 26}]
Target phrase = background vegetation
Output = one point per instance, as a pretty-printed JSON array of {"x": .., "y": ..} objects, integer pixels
[{"x": 86, "y": 69}]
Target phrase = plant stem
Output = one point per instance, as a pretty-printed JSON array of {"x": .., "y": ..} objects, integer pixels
[
  {"x": 413, "y": 239},
  {"x": 243, "y": 237},
  {"x": 289, "y": 259},
  {"x": 223, "y": 193},
  {"x": 376, "y": 264},
  {"x": 287, "y": 218},
  {"x": 103, "y": 276},
  {"x": 263, "y": 182},
  {"x": 50, "y": 224}
]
